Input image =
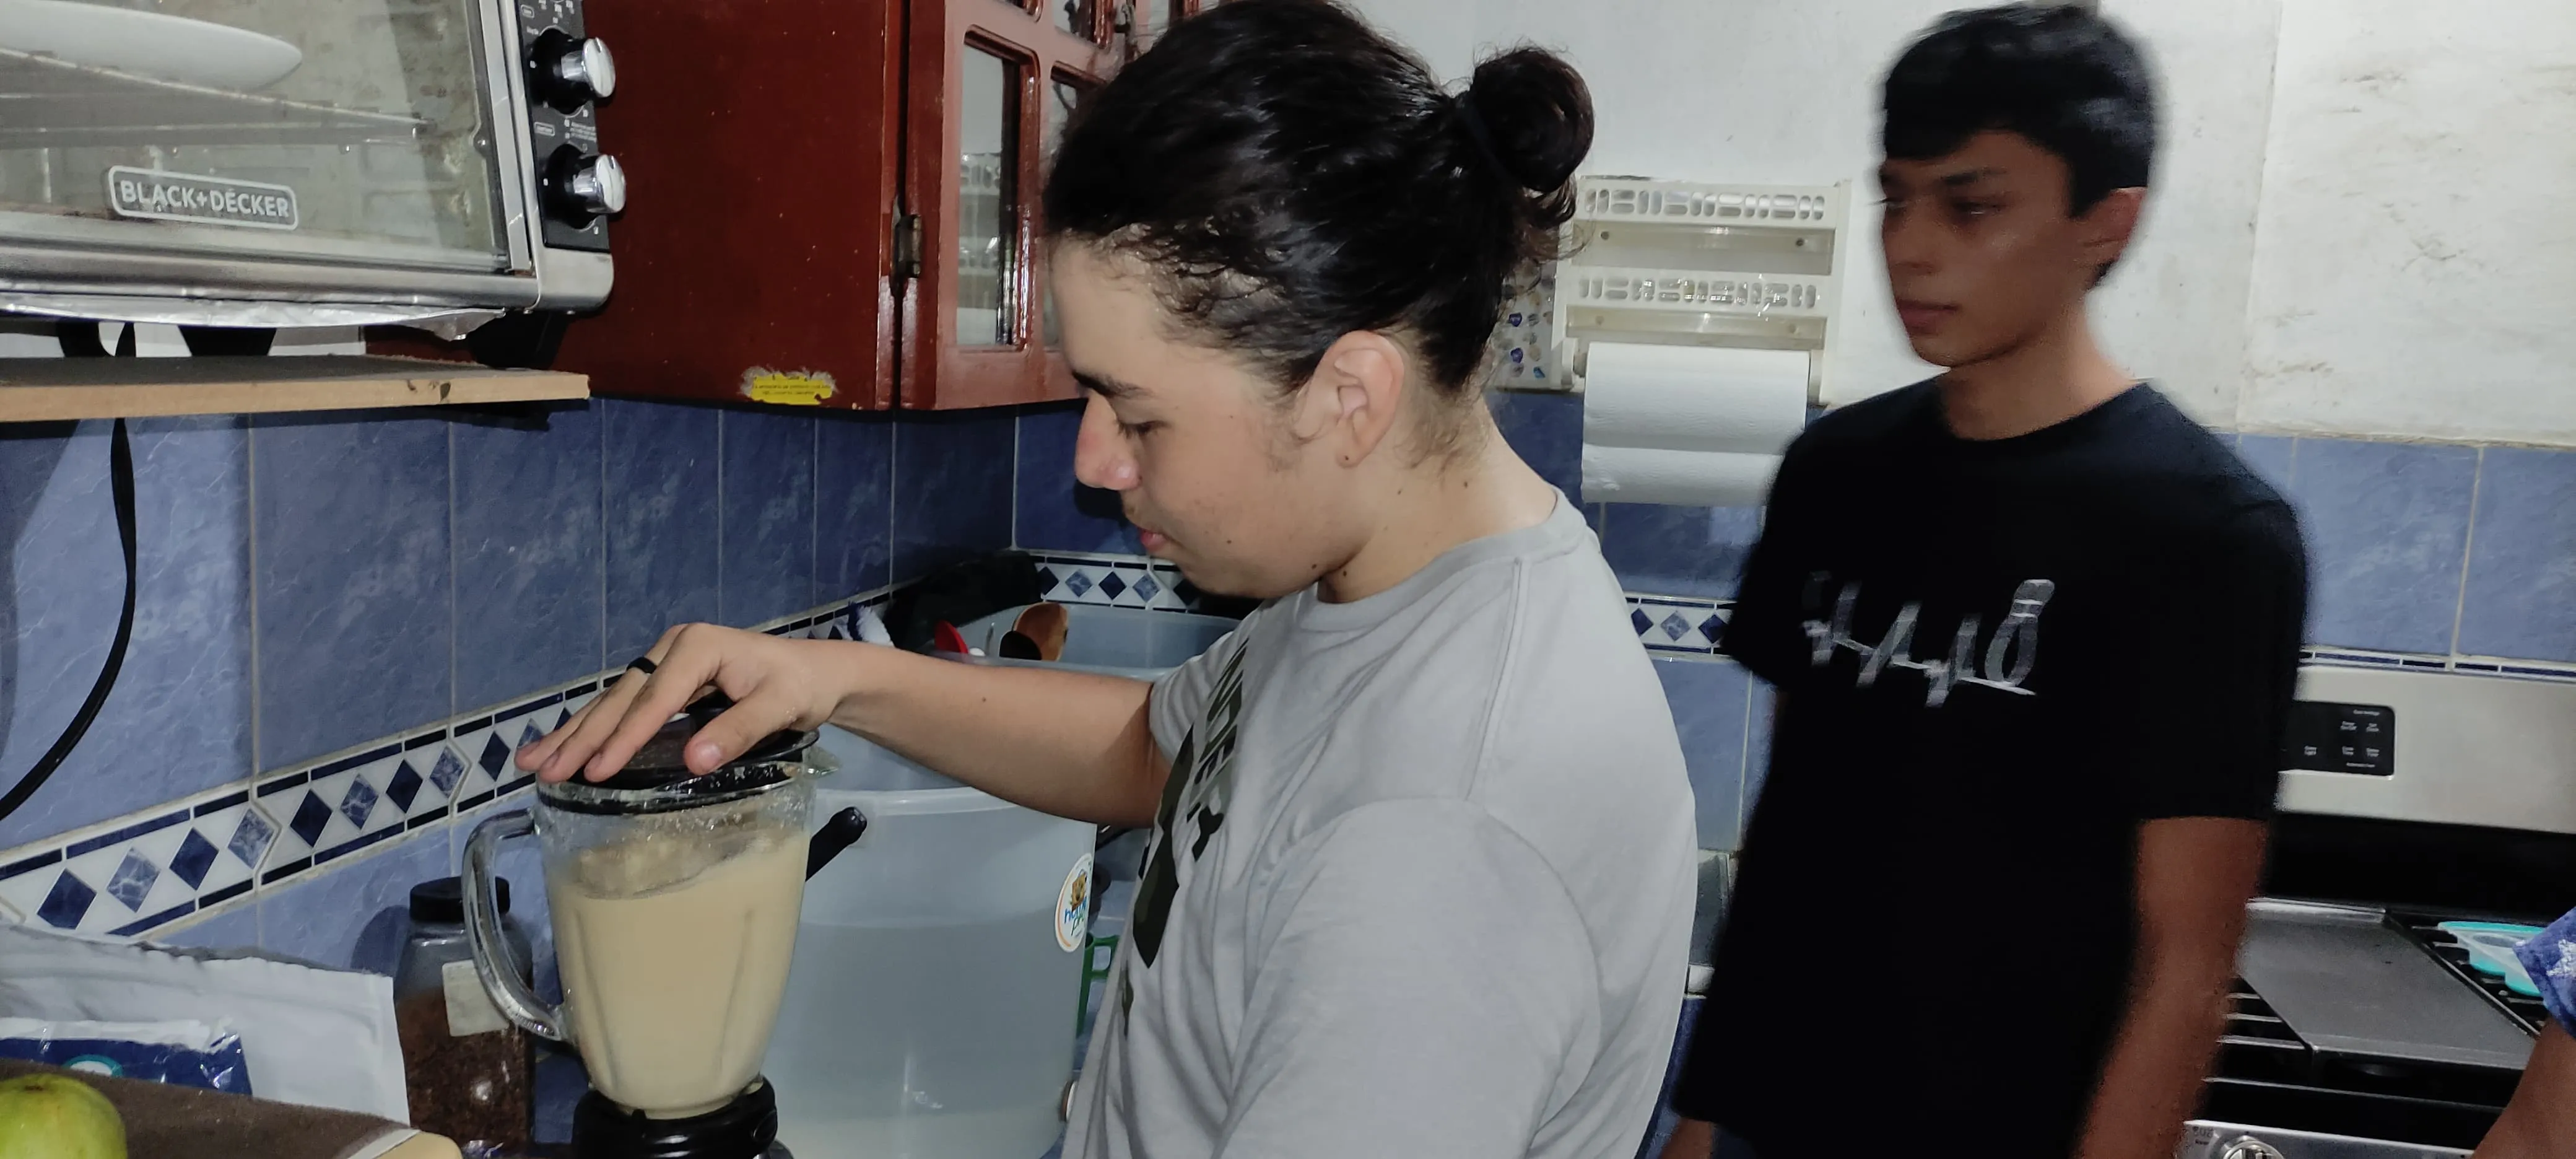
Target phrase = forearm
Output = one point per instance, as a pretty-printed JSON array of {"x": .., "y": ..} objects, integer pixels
[
  {"x": 2540, "y": 1122},
  {"x": 1692, "y": 1139},
  {"x": 2151, "y": 1082},
  {"x": 1068, "y": 743},
  {"x": 2194, "y": 876}
]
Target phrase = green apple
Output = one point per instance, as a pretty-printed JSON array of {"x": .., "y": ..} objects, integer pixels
[{"x": 50, "y": 1116}]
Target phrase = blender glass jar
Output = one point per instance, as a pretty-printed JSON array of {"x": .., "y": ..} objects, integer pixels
[{"x": 674, "y": 900}]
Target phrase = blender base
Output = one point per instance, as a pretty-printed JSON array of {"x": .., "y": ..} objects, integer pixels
[{"x": 746, "y": 1128}]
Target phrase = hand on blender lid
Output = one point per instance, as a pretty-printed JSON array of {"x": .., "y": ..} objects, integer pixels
[{"x": 737, "y": 689}]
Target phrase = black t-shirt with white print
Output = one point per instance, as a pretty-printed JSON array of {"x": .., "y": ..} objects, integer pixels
[{"x": 1998, "y": 658}]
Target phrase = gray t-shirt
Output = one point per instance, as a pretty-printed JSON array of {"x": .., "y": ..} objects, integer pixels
[{"x": 1421, "y": 884}]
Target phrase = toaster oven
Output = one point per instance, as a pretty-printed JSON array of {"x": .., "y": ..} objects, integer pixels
[{"x": 302, "y": 162}]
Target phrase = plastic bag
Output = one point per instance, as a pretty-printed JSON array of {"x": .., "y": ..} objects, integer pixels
[
  {"x": 186, "y": 1053},
  {"x": 309, "y": 1035}
]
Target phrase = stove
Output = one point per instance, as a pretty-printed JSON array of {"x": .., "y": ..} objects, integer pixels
[
  {"x": 2273, "y": 1089},
  {"x": 2358, "y": 1030}
]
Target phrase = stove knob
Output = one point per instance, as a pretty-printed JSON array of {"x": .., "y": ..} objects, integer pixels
[
  {"x": 2249, "y": 1147},
  {"x": 568, "y": 72}
]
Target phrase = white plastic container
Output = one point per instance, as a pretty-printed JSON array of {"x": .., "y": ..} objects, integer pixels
[
  {"x": 1129, "y": 642},
  {"x": 930, "y": 1008}
]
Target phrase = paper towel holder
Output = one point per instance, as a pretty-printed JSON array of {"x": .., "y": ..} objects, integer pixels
[{"x": 1700, "y": 264}]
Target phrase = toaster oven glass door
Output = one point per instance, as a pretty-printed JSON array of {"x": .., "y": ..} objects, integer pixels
[{"x": 347, "y": 131}]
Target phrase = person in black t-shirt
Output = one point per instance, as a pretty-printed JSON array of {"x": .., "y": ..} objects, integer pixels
[{"x": 2035, "y": 634}]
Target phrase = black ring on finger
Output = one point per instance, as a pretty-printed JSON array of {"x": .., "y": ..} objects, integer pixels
[{"x": 643, "y": 664}]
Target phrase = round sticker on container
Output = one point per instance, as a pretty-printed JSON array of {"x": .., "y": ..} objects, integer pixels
[{"x": 1073, "y": 907}]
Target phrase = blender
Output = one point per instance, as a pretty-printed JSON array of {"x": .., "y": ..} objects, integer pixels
[{"x": 674, "y": 902}]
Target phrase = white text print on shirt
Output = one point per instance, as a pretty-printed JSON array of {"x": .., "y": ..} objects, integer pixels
[{"x": 2009, "y": 653}]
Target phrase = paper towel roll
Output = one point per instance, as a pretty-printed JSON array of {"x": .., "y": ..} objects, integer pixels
[
  {"x": 1688, "y": 424},
  {"x": 1694, "y": 398},
  {"x": 1690, "y": 478}
]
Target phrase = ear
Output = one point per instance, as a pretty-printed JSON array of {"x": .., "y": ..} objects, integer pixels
[
  {"x": 1354, "y": 397},
  {"x": 2108, "y": 225}
]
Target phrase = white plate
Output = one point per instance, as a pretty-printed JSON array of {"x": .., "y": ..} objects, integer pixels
[{"x": 148, "y": 44}]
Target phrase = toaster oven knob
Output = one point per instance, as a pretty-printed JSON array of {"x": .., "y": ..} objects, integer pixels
[
  {"x": 569, "y": 72},
  {"x": 598, "y": 185},
  {"x": 579, "y": 187},
  {"x": 588, "y": 68}
]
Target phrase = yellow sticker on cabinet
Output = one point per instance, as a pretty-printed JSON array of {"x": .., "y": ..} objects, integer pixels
[{"x": 787, "y": 387}]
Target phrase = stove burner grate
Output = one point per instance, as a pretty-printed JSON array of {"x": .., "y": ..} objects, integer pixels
[{"x": 2426, "y": 930}]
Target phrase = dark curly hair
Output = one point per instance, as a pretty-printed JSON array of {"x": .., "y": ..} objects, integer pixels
[
  {"x": 1291, "y": 176},
  {"x": 2059, "y": 75}
]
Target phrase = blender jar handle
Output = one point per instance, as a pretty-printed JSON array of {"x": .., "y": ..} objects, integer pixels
[{"x": 492, "y": 961}]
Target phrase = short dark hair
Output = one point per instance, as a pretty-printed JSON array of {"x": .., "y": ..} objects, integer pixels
[
  {"x": 1291, "y": 176},
  {"x": 2059, "y": 75}
]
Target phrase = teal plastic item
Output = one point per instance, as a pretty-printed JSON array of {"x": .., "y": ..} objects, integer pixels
[{"x": 2491, "y": 946}]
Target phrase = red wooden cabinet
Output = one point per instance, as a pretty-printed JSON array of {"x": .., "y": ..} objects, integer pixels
[
  {"x": 835, "y": 202},
  {"x": 990, "y": 84},
  {"x": 760, "y": 145}
]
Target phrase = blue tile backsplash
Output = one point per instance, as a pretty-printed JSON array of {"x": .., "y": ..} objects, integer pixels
[
  {"x": 1712, "y": 702},
  {"x": 2388, "y": 532},
  {"x": 1546, "y": 429},
  {"x": 351, "y": 550},
  {"x": 530, "y": 557},
  {"x": 280, "y": 785},
  {"x": 854, "y": 464},
  {"x": 1053, "y": 513},
  {"x": 1695, "y": 551},
  {"x": 411, "y": 569},
  {"x": 661, "y": 497},
  {"x": 2521, "y": 597},
  {"x": 766, "y": 552},
  {"x": 955, "y": 496},
  {"x": 182, "y": 703}
]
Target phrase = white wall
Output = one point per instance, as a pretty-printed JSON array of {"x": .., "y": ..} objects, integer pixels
[
  {"x": 2381, "y": 248},
  {"x": 1761, "y": 91},
  {"x": 2416, "y": 268},
  {"x": 2174, "y": 310}
]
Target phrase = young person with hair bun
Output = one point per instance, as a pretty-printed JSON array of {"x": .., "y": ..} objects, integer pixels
[{"x": 1421, "y": 871}]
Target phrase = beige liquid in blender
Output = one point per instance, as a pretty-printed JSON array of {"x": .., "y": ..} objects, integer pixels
[{"x": 674, "y": 951}]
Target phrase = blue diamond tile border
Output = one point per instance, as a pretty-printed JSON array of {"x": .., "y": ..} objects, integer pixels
[
  {"x": 139, "y": 872},
  {"x": 67, "y": 902},
  {"x": 195, "y": 858},
  {"x": 1119, "y": 581},
  {"x": 132, "y": 881},
  {"x": 159, "y": 868},
  {"x": 1678, "y": 625}
]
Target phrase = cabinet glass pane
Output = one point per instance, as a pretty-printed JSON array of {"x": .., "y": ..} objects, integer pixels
[
  {"x": 1063, "y": 97},
  {"x": 1072, "y": 16},
  {"x": 988, "y": 249}
]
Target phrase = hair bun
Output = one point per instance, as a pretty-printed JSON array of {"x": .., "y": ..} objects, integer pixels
[{"x": 1537, "y": 115}]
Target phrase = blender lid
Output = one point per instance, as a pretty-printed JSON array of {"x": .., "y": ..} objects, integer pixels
[{"x": 657, "y": 778}]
